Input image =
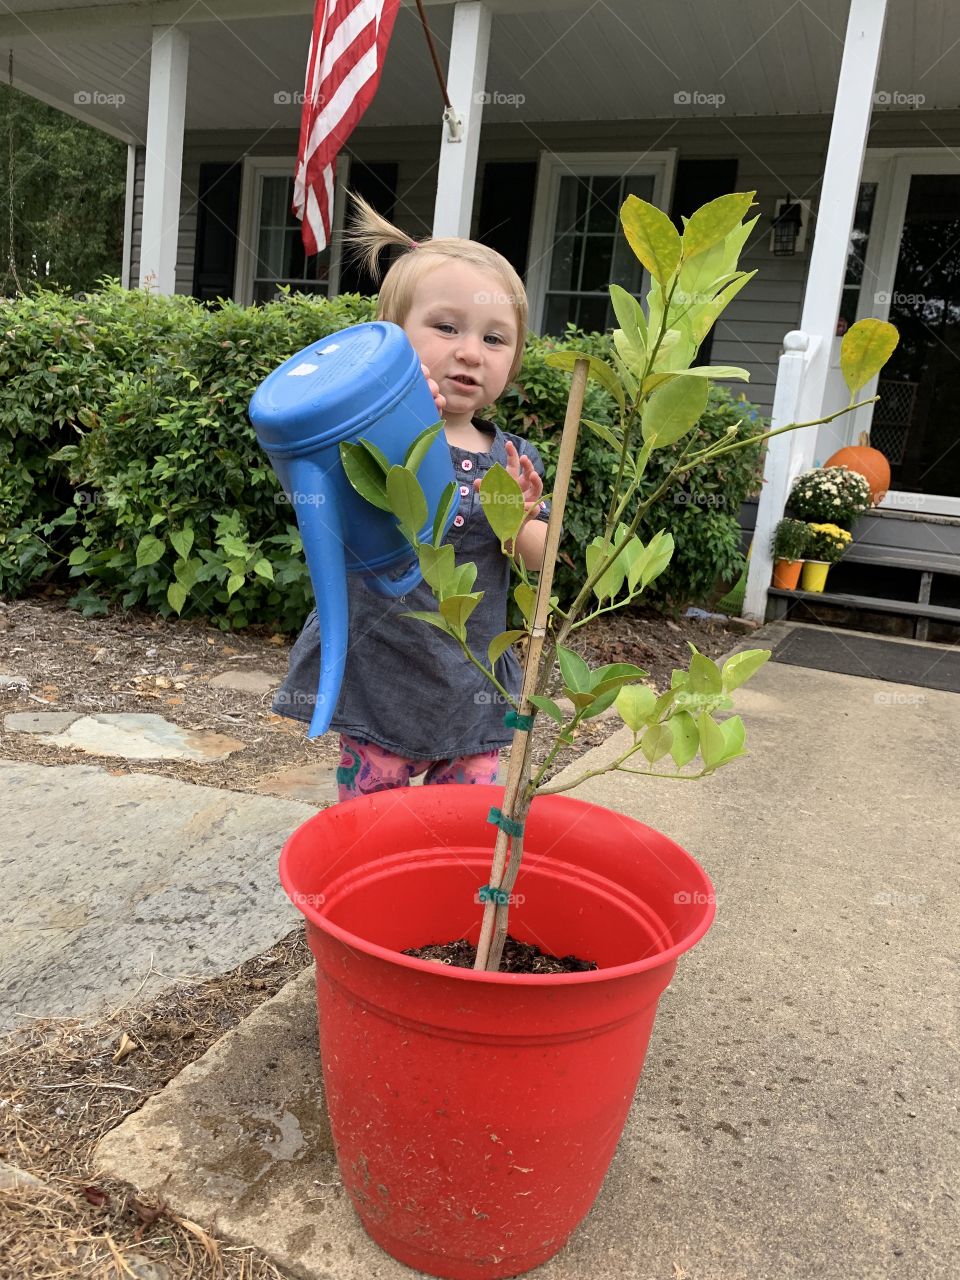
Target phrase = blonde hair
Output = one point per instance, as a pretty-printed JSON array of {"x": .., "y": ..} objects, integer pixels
[{"x": 370, "y": 233}]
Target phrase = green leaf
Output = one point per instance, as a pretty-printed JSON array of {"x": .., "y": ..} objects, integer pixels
[
  {"x": 636, "y": 704},
  {"x": 686, "y": 739},
  {"x": 379, "y": 457},
  {"x": 149, "y": 550},
  {"x": 79, "y": 555},
  {"x": 673, "y": 410},
  {"x": 438, "y": 566},
  {"x": 186, "y": 571},
  {"x": 499, "y": 645},
  {"x": 600, "y": 700},
  {"x": 865, "y": 349},
  {"x": 407, "y": 501},
  {"x": 364, "y": 475},
  {"x": 599, "y": 370},
  {"x": 705, "y": 675},
  {"x": 234, "y": 583},
  {"x": 606, "y": 434},
  {"x": 502, "y": 501},
  {"x": 526, "y": 598},
  {"x": 182, "y": 542},
  {"x": 656, "y": 742},
  {"x": 652, "y": 237},
  {"x": 630, "y": 318},
  {"x": 433, "y": 619},
  {"x": 457, "y": 609},
  {"x": 420, "y": 447},
  {"x": 575, "y": 672},
  {"x": 713, "y": 745},
  {"x": 696, "y": 371},
  {"x": 177, "y": 596},
  {"x": 705, "y": 315},
  {"x": 550, "y": 707},
  {"x": 741, "y": 667},
  {"x": 713, "y": 221},
  {"x": 612, "y": 580},
  {"x": 466, "y": 576},
  {"x": 734, "y": 736},
  {"x": 264, "y": 569},
  {"x": 448, "y": 499},
  {"x": 613, "y": 675}
]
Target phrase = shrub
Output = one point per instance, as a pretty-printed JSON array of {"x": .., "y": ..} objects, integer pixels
[
  {"x": 790, "y": 539},
  {"x": 131, "y": 468}
]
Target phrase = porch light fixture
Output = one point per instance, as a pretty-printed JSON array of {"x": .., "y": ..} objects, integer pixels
[{"x": 787, "y": 233}]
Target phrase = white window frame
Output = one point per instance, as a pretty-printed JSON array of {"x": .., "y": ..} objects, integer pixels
[
  {"x": 892, "y": 168},
  {"x": 255, "y": 169},
  {"x": 660, "y": 165}
]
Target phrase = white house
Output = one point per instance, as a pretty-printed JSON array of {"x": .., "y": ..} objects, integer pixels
[{"x": 846, "y": 110}]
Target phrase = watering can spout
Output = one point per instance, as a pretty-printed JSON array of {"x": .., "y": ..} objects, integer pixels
[{"x": 318, "y": 518}]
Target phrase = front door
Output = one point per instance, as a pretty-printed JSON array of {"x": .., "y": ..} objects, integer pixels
[{"x": 911, "y": 276}]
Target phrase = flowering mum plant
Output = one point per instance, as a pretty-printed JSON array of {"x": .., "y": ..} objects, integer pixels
[
  {"x": 827, "y": 542},
  {"x": 791, "y": 539},
  {"x": 661, "y": 393},
  {"x": 830, "y": 493}
]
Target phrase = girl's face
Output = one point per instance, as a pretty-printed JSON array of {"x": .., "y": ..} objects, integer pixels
[{"x": 463, "y": 327}]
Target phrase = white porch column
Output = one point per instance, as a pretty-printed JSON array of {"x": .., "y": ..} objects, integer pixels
[
  {"x": 161, "y": 186},
  {"x": 466, "y": 76},
  {"x": 789, "y": 454},
  {"x": 129, "y": 192}
]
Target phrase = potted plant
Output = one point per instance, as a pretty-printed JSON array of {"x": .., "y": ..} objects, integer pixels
[
  {"x": 475, "y": 1111},
  {"x": 834, "y": 494},
  {"x": 827, "y": 544},
  {"x": 790, "y": 539}
]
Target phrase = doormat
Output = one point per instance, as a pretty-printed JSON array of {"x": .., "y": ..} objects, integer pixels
[{"x": 927, "y": 667}]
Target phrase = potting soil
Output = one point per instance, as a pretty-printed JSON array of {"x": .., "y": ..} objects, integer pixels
[{"x": 518, "y": 957}]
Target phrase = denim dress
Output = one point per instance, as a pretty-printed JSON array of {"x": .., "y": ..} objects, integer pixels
[{"x": 407, "y": 686}]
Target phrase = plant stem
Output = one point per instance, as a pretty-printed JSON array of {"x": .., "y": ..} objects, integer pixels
[{"x": 516, "y": 797}]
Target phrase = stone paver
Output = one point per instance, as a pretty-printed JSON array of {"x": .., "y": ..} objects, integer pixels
[
  {"x": 259, "y": 682},
  {"x": 797, "y": 1113},
  {"x": 126, "y": 735},
  {"x": 107, "y": 880},
  {"x": 314, "y": 784}
]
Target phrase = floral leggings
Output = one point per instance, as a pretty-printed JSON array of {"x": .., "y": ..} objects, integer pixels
[{"x": 365, "y": 767}]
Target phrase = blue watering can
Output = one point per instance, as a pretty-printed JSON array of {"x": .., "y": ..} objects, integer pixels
[{"x": 364, "y": 381}]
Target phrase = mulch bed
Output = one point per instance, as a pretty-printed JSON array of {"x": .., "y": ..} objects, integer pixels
[{"x": 137, "y": 662}]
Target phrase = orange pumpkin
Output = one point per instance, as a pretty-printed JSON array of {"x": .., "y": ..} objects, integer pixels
[{"x": 867, "y": 462}]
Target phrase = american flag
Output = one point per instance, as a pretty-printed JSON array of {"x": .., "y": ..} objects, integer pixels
[{"x": 347, "y": 51}]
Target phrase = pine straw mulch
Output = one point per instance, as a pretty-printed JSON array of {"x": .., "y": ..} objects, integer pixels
[
  {"x": 137, "y": 662},
  {"x": 64, "y": 1083}
]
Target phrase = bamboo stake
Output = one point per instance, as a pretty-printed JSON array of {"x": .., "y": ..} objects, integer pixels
[{"x": 493, "y": 930}]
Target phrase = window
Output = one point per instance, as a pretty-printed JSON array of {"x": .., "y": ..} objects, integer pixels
[
  {"x": 270, "y": 251},
  {"x": 578, "y": 246},
  {"x": 857, "y": 254}
]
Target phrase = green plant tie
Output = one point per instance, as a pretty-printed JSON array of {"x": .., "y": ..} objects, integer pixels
[
  {"x": 489, "y": 894},
  {"x": 505, "y": 824},
  {"x": 514, "y": 720}
]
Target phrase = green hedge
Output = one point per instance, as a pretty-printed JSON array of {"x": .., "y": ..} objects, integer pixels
[{"x": 128, "y": 463}]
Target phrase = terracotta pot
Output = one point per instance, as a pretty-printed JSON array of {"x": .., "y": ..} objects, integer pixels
[
  {"x": 814, "y": 576},
  {"x": 786, "y": 574},
  {"x": 475, "y": 1114}
]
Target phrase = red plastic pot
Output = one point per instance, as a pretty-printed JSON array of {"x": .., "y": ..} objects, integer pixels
[{"x": 475, "y": 1114}]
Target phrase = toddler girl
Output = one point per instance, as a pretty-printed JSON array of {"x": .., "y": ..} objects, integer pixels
[{"x": 411, "y": 702}]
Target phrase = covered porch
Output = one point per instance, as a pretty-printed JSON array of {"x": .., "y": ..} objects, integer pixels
[{"x": 848, "y": 109}]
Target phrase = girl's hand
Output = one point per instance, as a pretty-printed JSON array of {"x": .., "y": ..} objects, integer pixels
[
  {"x": 439, "y": 400},
  {"x": 522, "y": 470}
]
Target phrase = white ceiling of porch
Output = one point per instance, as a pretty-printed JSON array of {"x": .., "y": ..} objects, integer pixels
[{"x": 600, "y": 59}]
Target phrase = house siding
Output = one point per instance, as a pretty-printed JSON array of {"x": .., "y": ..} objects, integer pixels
[{"x": 776, "y": 156}]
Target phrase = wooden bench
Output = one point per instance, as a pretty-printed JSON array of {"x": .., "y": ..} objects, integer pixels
[{"x": 926, "y": 563}]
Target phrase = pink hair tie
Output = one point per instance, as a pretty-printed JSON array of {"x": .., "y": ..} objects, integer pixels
[{"x": 414, "y": 244}]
